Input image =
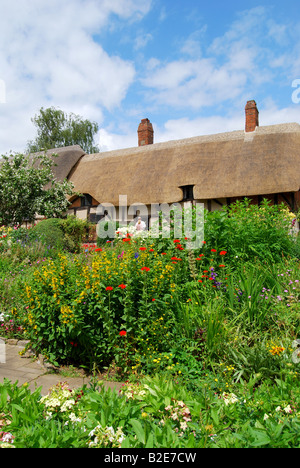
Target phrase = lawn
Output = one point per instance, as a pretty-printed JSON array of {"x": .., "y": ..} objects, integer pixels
[{"x": 206, "y": 339}]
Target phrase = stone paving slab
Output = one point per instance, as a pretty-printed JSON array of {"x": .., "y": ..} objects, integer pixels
[{"x": 24, "y": 369}]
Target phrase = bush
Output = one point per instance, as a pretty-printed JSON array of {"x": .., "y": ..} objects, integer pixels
[
  {"x": 250, "y": 231},
  {"x": 75, "y": 230},
  {"x": 61, "y": 234},
  {"x": 49, "y": 231},
  {"x": 76, "y": 311}
]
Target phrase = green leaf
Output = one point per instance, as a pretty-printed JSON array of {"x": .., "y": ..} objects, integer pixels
[
  {"x": 261, "y": 438},
  {"x": 139, "y": 430}
]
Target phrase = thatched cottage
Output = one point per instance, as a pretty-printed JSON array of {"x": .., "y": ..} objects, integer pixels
[{"x": 257, "y": 162}]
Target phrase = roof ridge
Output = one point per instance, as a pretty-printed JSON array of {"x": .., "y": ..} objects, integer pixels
[{"x": 217, "y": 137}]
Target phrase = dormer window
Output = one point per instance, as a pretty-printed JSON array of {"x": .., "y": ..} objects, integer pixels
[{"x": 187, "y": 192}]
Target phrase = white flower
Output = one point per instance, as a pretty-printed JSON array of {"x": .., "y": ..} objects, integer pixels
[
  {"x": 230, "y": 398},
  {"x": 67, "y": 405},
  {"x": 7, "y": 437},
  {"x": 183, "y": 425},
  {"x": 287, "y": 409},
  {"x": 72, "y": 417},
  {"x": 2, "y": 317}
]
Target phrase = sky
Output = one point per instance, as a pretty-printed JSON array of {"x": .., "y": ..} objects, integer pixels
[{"x": 189, "y": 66}]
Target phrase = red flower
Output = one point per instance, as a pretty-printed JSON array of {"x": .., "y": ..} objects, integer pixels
[
  {"x": 223, "y": 252},
  {"x": 221, "y": 265},
  {"x": 164, "y": 253},
  {"x": 200, "y": 281},
  {"x": 73, "y": 344},
  {"x": 203, "y": 242},
  {"x": 176, "y": 240},
  {"x": 143, "y": 248},
  {"x": 123, "y": 333},
  {"x": 98, "y": 250},
  {"x": 126, "y": 239},
  {"x": 213, "y": 250},
  {"x": 122, "y": 286},
  {"x": 153, "y": 300},
  {"x": 109, "y": 288},
  {"x": 151, "y": 250},
  {"x": 145, "y": 269}
]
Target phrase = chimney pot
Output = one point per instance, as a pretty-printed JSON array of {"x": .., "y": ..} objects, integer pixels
[
  {"x": 145, "y": 133},
  {"x": 252, "y": 116}
]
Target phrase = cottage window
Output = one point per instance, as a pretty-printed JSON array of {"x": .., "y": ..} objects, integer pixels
[
  {"x": 86, "y": 200},
  {"x": 187, "y": 192}
]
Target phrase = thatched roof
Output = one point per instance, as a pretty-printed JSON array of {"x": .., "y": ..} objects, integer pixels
[
  {"x": 224, "y": 165},
  {"x": 65, "y": 160}
]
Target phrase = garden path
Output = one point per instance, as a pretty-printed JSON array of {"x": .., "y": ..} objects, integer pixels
[{"x": 25, "y": 370}]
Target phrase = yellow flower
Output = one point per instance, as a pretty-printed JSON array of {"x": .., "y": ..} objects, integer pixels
[{"x": 276, "y": 350}]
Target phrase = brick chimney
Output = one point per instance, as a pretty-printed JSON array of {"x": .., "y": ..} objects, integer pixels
[
  {"x": 145, "y": 133},
  {"x": 252, "y": 115}
]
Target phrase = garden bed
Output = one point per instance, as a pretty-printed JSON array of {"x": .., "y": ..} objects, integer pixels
[{"x": 207, "y": 338}]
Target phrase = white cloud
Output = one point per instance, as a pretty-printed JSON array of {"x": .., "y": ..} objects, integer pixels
[
  {"x": 240, "y": 61},
  {"x": 49, "y": 57},
  {"x": 195, "y": 84},
  {"x": 271, "y": 114},
  {"x": 109, "y": 141},
  {"x": 142, "y": 40},
  {"x": 188, "y": 128}
]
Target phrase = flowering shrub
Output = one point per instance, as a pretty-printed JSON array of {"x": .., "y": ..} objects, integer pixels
[
  {"x": 90, "y": 303},
  {"x": 179, "y": 414},
  {"x": 131, "y": 233},
  {"x": 133, "y": 390},
  {"x": 106, "y": 437},
  {"x": 6, "y": 440},
  {"x": 62, "y": 403},
  {"x": 249, "y": 230}
]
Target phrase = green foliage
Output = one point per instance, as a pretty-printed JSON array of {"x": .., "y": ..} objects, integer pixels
[
  {"x": 61, "y": 234},
  {"x": 27, "y": 187},
  {"x": 75, "y": 230},
  {"x": 206, "y": 340},
  {"x": 153, "y": 413},
  {"x": 106, "y": 232},
  {"x": 57, "y": 129},
  {"x": 49, "y": 232},
  {"x": 250, "y": 231}
]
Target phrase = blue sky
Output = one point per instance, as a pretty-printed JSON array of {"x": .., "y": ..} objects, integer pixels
[{"x": 189, "y": 66}]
